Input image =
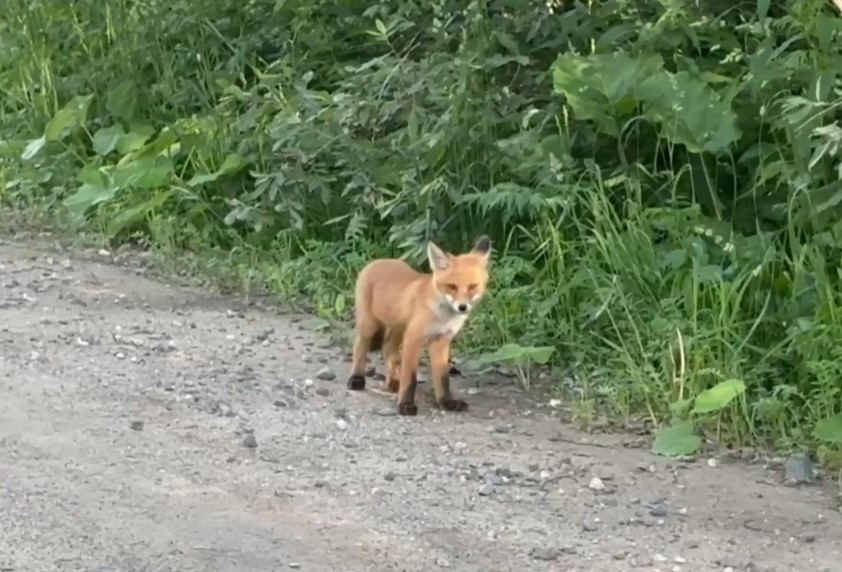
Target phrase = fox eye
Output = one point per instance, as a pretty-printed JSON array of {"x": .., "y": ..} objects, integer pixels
[
  {"x": 472, "y": 287},
  {"x": 451, "y": 287}
]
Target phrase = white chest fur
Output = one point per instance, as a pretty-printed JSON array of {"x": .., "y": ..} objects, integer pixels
[{"x": 446, "y": 324}]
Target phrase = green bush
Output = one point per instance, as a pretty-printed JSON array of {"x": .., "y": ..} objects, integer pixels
[{"x": 661, "y": 179}]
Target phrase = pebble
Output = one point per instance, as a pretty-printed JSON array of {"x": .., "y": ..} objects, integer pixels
[
  {"x": 325, "y": 374},
  {"x": 341, "y": 424},
  {"x": 323, "y": 391},
  {"x": 590, "y": 523},
  {"x": 658, "y": 508},
  {"x": 546, "y": 554},
  {"x": 596, "y": 484},
  {"x": 136, "y": 425},
  {"x": 799, "y": 469},
  {"x": 250, "y": 441},
  {"x": 486, "y": 489}
]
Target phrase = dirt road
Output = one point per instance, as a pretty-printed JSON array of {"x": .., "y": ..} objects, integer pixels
[{"x": 145, "y": 427}]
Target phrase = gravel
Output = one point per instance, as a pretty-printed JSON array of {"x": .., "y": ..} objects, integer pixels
[{"x": 153, "y": 427}]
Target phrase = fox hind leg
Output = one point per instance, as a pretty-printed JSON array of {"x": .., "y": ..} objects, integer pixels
[{"x": 367, "y": 336}]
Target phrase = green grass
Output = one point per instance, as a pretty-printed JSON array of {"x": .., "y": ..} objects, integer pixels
[{"x": 661, "y": 181}]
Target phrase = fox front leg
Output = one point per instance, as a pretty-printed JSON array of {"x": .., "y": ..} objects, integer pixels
[{"x": 439, "y": 351}]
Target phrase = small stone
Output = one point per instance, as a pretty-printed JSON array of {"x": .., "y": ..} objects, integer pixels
[
  {"x": 712, "y": 463},
  {"x": 659, "y": 558},
  {"x": 309, "y": 383},
  {"x": 341, "y": 424},
  {"x": 323, "y": 391},
  {"x": 486, "y": 489},
  {"x": 728, "y": 569},
  {"x": 325, "y": 374},
  {"x": 442, "y": 562},
  {"x": 545, "y": 554},
  {"x": 250, "y": 441},
  {"x": 389, "y": 476},
  {"x": 680, "y": 560},
  {"x": 294, "y": 565},
  {"x": 384, "y": 411},
  {"x": 263, "y": 335},
  {"x": 104, "y": 252},
  {"x": 590, "y": 523},
  {"x": 596, "y": 484},
  {"x": 658, "y": 509},
  {"x": 799, "y": 469},
  {"x": 136, "y": 425}
]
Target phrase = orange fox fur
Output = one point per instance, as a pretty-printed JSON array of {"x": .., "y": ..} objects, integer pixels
[{"x": 398, "y": 306}]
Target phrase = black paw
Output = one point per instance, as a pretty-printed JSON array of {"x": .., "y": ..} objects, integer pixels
[
  {"x": 356, "y": 382},
  {"x": 453, "y": 405},
  {"x": 407, "y": 409}
]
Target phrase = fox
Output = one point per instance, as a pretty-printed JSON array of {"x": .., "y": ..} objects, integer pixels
[{"x": 401, "y": 311}]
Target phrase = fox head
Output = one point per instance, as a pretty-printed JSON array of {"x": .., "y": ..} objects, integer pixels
[{"x": 460, "y": 279}]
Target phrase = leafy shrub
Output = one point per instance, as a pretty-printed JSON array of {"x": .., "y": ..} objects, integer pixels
[{"x": 662, "y": 179}]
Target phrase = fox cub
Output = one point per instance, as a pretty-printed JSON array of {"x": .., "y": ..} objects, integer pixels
[{"x": 395, "y": 304}]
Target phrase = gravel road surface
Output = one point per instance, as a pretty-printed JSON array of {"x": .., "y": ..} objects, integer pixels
[{"x": 148, "y": 427}]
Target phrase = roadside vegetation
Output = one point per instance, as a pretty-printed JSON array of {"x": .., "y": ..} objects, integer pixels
[{"x": 661, "y": 179}]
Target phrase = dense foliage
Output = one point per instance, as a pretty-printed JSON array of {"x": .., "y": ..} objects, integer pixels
[{"x": 661, "y": 177}]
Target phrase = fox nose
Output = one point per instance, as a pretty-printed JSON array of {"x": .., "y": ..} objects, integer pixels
[{"x": 462, "y": 307}]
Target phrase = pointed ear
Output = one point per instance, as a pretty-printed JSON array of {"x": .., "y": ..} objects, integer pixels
[
  {"x": 482, "y": 247},
  {"x": 439, "y": 260}
]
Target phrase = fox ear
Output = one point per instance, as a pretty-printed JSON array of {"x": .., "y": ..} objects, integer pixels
[
  {"x": 439, "y": 260},
  {"x": 482, "y": 247}
]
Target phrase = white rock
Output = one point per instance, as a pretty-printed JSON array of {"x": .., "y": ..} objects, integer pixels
[{"x": 596, "y": 484}]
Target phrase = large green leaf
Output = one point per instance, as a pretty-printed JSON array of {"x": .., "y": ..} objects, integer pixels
[
  {"x": 688, "y": 112},
  {"x": 829, "y": 430},
  {"x": 68, "y": 118},
  {"x": 676, "y": 440},
  {"x": 718, "y": 396},
  {"x": 87, "y": 196},
  {"x": 231, "y": 164},
  {"x": 106, "y": 139},
  {"x": 146, "y": 172},
  {"x": 601, "y": 87}
]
